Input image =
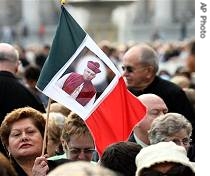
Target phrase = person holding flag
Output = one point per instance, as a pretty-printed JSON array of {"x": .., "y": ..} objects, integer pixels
[{"x": 80, "y": 86}]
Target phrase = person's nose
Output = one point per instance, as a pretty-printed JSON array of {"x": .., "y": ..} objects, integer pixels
[
  {"x": 125, "y": 73},
  {"x": 24, "y": 137},
  {"x": 82, "y": 155},
  {"x": 161, "y": 113},
  {"x": 181, "y": 144}
]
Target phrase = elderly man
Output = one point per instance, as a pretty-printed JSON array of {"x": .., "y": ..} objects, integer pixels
[
  {"x": 155, "y": 107},
  {"x": 140, "y": 65},
  {"x": 13, "y": 94},
  {"x": 80, "y": 86}
]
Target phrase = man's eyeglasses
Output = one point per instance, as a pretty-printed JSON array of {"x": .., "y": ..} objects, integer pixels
[
  {"x": 77, "y": 151},
  {"x": 131, "y": 69},
  {"x": 185, "y": 141}
]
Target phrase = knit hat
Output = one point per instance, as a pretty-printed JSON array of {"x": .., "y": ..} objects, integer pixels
[
  {"x": 162, "y": 152},
  {"x": 94, "y": 66}
]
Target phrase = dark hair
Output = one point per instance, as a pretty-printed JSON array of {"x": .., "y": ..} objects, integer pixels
[
  {"x": 192, "y": 47},
  {"x": 120, "y": 157},
  {"x": 32, "y": 73},
  {"x": 178, "y": 169}
]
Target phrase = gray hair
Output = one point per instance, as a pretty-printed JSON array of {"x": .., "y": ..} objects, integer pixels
[
  {"x": 166, "y": 125},
  {"x": 149, "y": 57}
]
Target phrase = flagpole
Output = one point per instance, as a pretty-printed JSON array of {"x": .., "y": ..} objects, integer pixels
[
  {"x": 46, "y": 127},
  {"x": 48, "y": 112}
]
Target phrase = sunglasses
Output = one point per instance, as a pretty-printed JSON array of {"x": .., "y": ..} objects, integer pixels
[
  {"x": 131, "y": 69},
  {"x": 178, "y": 170}
]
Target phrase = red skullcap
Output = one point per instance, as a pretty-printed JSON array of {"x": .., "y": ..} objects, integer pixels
[{"x": 94, "y": 66}]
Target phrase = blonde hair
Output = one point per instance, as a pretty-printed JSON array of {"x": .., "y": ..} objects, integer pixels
[{"x": 74, "y": 125}]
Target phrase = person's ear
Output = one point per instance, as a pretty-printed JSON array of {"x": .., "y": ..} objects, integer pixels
[
  {"x": 18, "y": 64},
  {"x": 150, "y": 71}
]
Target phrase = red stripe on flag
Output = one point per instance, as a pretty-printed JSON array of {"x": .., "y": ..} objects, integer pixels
[{"x": 115, "y": 117}]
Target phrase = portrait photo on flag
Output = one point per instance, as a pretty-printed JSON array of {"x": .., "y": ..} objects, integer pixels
[{"x": 87, "y": 52}]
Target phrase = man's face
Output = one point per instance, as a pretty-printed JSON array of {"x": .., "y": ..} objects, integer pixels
[
  {"x": 181, "y": 138},
  {"x": 80, "y": 147},
  {"x": 89, "y": 74},
  {"x": 135, "y": 73},
  {"x": 156, "y": 107}
]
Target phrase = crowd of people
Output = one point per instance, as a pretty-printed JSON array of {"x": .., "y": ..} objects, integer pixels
[{"x": 162, "y": 143}]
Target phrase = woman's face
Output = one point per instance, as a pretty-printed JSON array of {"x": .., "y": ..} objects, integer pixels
[
  {"x": 181, "y": 138},
  {"x": 80, "y": 148},
  {"x": 25, "y": 140}
]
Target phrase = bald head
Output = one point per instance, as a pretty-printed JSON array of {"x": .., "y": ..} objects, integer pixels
[
  {"x": 144, "y": 54},
  {"x": 140, "y": 65},
  {"x": 155, "y": 107},
  {"x": 149, "y": 99},
  {"x": 8, "y": 58},
  {"x": 8, "y": 53}
]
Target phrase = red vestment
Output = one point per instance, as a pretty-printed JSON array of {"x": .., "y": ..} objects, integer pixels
[{"x": 88, "y": 90}]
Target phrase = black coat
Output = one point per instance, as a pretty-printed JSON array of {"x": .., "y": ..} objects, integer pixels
[
  {"x": 173, "y": 96},
  {"x": 52, "y": 164},
  {"x": 14, "y": 95}
]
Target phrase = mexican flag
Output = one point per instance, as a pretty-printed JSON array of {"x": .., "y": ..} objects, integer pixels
[{"x": 115, "y": 111}]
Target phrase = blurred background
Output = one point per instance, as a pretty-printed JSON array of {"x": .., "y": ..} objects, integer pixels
[
  {"x": 115, "y": 25},
  {"x": 122, "y": 21}
]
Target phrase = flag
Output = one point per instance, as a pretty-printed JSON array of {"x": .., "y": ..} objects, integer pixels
[{"x": 115, "y": 111}]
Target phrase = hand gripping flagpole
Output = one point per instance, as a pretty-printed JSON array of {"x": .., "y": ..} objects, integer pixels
[
  {"x": 46, "y": 127},
  {"x": 63, "y": 2}
]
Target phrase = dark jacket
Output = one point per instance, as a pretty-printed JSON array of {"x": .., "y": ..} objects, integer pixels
[
  {"x": 173, "y": 96},
  {"x": 14, "y": 95},
  {"x": 52, "y": 164}
]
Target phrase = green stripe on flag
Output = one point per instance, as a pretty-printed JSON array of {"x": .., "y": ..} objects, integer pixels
[{"x": 69, "y": 35}]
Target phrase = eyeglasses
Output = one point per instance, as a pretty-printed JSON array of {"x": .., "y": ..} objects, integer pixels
[
  {"x": 178, "y": 170},
  {"x": 77, "y": 151},
  {"x": 185, "y": 141},
  {"x": 131, "y": 69}
]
